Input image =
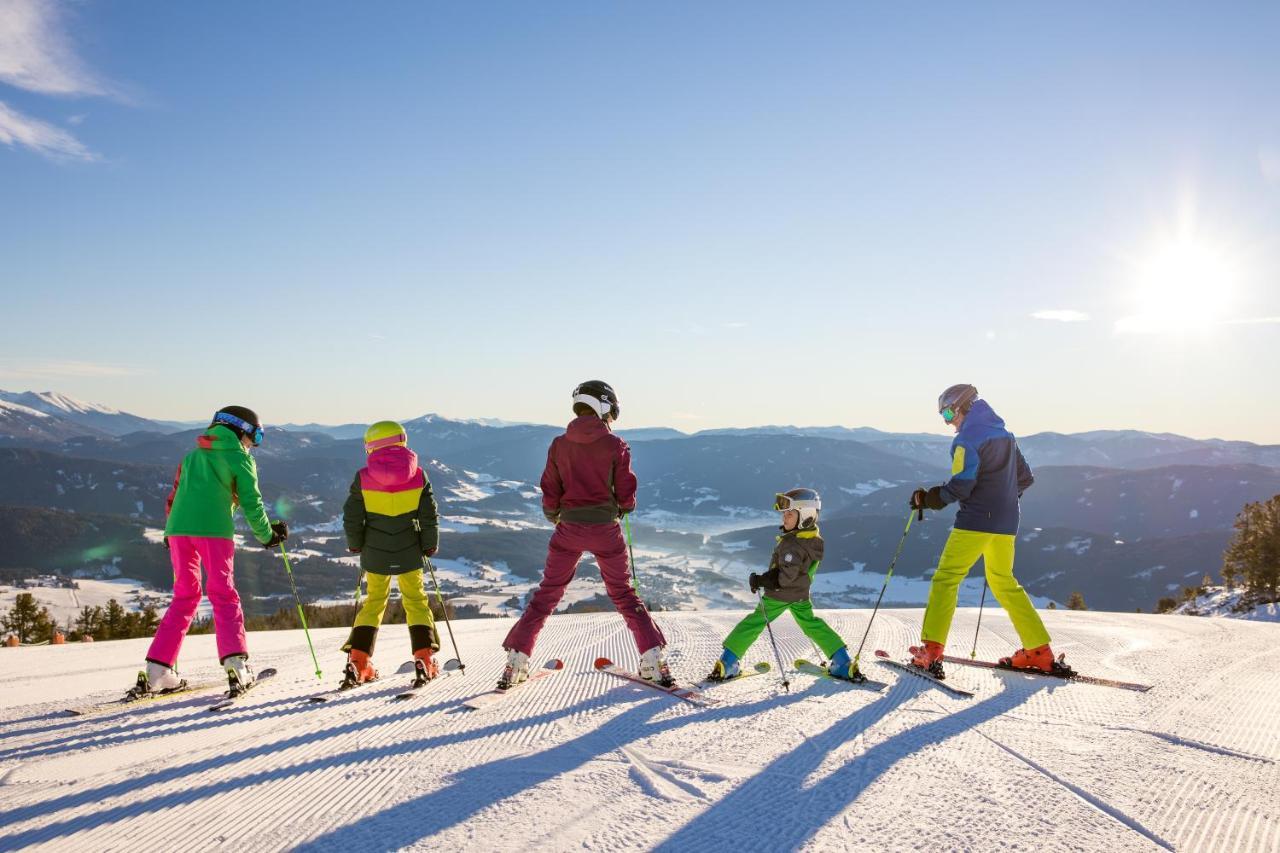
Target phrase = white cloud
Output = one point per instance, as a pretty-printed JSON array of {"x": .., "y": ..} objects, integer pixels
[
  {"x": 1269, "y": 163},
  {"x": 36, "y": 54},
  {"x": 41, "y": 137},
  {"x": 56, "y": 368},
  {"x": 1061, "y": 315},
  {"x": 1252, "y": 321}
]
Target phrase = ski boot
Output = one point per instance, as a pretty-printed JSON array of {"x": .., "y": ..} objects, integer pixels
[
  {"x": 725, "y": 668},
  {"x": 928, "y": 656},
  {"x": 1040, "y": 659},
  {"x": 842, "y": 666},
  {"x": 424, "y": 667},
  {"x": 653, "y": 667},
  {"x": 155, "y": 679},
  {"x": 358, "y": 670},
  {"x": 516, "y": 670},
  {"x": 239, "y": 674}
]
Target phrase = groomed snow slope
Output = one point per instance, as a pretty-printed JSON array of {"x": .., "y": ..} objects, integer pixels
[{"x": 585, "y": 761}]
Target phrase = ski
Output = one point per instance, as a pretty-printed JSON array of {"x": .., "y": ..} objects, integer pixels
[
  {"x": 811, "y": 668},
  {"x": 688, "y": 694},
  {"x": 148, "y": 699},
  {"x": 885, "y": 658},
  {"x": 761, "y": 668},
  {"x": 344, "y": 687},
  {"x": 497, "y": 694},
  {"x": 449, "y": 666},
  {"x": 1075, "y": 676},
  {"x": 228, "y": 701}
]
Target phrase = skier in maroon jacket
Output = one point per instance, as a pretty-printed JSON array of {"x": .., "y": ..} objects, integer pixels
[{"x": 586, "y": 487}]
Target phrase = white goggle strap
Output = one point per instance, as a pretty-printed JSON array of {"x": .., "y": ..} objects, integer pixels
[{"x": 598, "y": 407}]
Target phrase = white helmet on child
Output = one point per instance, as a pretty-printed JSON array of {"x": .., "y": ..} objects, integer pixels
[{"x": 804, "y": 501}]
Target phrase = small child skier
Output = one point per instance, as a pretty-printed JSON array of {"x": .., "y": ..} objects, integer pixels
[
  {"x": 199, "y": 532},
  {"x": 390, "y": 520},
  {"x": 791, "y": 569},
  {"x": 586, "y": 487}
]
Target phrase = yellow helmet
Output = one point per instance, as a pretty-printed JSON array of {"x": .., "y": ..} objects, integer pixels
[{"x": 384, "y": 434}]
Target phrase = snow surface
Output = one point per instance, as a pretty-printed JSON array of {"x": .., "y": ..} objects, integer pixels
[{"x": 584, "y": 761}]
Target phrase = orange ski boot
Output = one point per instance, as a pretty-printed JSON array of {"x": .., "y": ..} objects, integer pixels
[
  {"x": 928, "y": 656},
  {"x": 359, "y": 669},
  {"x": 1039, "y": 658},
  {"x": 425, "y": 667}
]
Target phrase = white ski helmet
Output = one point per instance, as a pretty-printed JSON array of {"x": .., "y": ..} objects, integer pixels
[
  {"x": 956, "y": 400},
  {"x": 804, "y": 501}
]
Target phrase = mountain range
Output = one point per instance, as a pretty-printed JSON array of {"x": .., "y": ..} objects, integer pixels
[{"x": 1124, "y": 517}]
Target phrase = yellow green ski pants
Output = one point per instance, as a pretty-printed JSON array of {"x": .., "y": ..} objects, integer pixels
[
  {"x": 412, "y": 594},
  {"x": 962, "y": 550}
]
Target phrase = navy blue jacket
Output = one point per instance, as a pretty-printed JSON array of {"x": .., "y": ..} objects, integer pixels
[{"x": 988, "y": 473}]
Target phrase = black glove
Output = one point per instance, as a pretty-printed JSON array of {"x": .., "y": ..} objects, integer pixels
[
  {"x": 166, "y": 543},
  {"x": 553, "y": 517},
  {"x": 928, "y": 499},
  {"x": 755, "y": 581},
  {"x": 431, "y": 552},
  {"x": 623, "y": 510},
  {"x": 279, "y": 533}
]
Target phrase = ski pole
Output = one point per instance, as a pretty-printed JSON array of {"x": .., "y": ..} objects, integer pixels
[
  {"x": 786, "y": 685},
  {"x": 973, "y": 653},
  {"x": 635, "y": 584},
  {"x": 910, "y": 517},
  {"x": 426, "y": 561},
  {"x": 301, "y": 616},
  {"x": 359, "y": 581}
]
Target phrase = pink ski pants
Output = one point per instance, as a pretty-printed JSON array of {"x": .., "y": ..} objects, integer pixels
[{"x": 189, "y": 554}]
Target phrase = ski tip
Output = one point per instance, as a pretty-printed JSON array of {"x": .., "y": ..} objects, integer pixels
[
  {"x": 799, "y": 662},
  {"x": 267, "y": 673},
  {"x": 601, "y": 663},
  {"x": 881, "y": 653},
  {"x": 451, "y": 664},
  {"x": 556, "y": 663},
  {"x": 762, "y": 667}
]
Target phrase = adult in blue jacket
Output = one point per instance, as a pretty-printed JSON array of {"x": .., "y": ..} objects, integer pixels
[{"x": 988, "y": 476}]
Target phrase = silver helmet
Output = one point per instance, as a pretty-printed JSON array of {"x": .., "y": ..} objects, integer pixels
[
  {"x": 956, "y": 400},
  {"x": 804, "y": 501}
]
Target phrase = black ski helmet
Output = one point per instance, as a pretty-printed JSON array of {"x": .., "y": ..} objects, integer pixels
[
  {"x": 240, "y": 420},
  {"x": 599, "y": 396},
  {"x": 957, "y": 399}
]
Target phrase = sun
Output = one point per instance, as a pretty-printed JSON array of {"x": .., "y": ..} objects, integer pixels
[{"x": 1183, "y": 285}]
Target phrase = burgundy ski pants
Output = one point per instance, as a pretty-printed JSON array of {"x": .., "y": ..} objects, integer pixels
[{"x": 568, "y": 544}]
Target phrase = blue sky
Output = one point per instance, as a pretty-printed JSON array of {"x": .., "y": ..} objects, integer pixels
[{"x": 736, "y": 213}]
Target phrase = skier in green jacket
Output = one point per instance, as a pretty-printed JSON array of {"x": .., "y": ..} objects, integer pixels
[
  {"x": 791, "y": 569},
  {"x": 199, "y": 532}
]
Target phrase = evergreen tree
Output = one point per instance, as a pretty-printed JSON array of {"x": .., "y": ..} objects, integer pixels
[
  {"x": 1253, "y": 554},
  {"x": 1076, "y": 602},
  {"x": 114, "y": 622},
  {"x": 28, "y": 620}
]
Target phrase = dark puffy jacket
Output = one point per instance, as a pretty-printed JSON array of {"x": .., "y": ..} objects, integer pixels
[
  {"x": 588, "y": 477},
  {"x": 390, "y": 514},
  {"x": 988, "y": 473},
  {"x": 793, "y": 564}
]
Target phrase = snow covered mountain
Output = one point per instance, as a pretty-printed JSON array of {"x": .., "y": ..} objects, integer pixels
[
  {"x": 584, "y": 761},
  {"x": 96, "y": 417}
]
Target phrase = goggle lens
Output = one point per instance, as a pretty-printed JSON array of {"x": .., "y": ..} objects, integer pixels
[
  {"x": 948, "y": 414},
  {"x": 781, "y": 503}
]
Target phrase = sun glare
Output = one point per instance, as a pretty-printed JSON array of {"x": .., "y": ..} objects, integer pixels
[{"x": 1183, "y": 286}]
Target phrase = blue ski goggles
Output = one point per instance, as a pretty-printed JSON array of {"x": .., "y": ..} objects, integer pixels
[{"x": 254, "y": 432}]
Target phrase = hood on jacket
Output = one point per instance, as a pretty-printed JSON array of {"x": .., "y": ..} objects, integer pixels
[
  {"x": 219, "y": 437},
  {"x": 585, "y": 429},
  {"x": 392, "y": 466},
  {"x": 982, "y": 419}
]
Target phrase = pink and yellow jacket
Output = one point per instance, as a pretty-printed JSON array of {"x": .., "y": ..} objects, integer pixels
[{"x": 390, "y": 514}]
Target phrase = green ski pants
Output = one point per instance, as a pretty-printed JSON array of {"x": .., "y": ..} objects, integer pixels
[{"x": 746, "y": 631}]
